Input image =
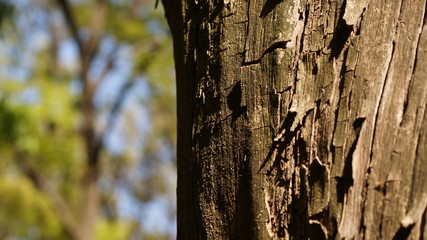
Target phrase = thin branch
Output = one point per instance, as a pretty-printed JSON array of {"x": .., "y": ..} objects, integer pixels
[
  {"x": 97, "y": 25},
  {"x": 108, "y": 66},
  {"x": 69, "y": 19},
  {"x": 117, "y": 107},
  {"x": 87, "y": 49},
  {"x": 58, "y": 202}
]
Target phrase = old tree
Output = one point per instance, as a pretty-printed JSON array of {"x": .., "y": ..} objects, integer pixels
[{"x": 301, "y": 119}]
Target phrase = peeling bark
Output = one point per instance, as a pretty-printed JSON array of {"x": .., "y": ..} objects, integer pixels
[{"x": 301, "y": 119}]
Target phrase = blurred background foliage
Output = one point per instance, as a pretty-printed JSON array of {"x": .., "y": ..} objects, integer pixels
[{"x": 43, "y": 153}]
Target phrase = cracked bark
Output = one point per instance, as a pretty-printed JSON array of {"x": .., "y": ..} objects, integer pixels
[{"x": 301, "y": 119}]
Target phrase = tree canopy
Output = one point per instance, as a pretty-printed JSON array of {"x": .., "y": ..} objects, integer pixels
[{"x": 62, "y": 61}]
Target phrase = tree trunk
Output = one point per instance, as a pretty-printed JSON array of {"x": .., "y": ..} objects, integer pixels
[{"x": 301, "y": 119}]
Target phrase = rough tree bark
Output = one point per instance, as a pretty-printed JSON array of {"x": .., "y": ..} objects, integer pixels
[{"x": 301, "y": 119}]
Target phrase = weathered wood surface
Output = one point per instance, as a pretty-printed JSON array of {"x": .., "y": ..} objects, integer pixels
[{"x": 301, "y": 119}]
